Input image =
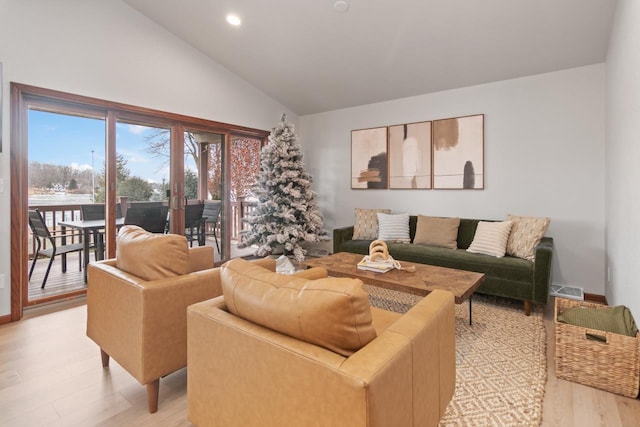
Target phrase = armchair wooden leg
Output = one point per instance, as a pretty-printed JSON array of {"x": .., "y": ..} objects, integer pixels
[
  {"x": 527, "y": 308},
  {"x": 152, "y": 395},
  {"x": 105, "y": 358}
]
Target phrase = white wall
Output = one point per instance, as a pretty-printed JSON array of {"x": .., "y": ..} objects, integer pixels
[
  {"x": 544, "y": 156},
  {"x": 622, "y": 156},
  {"x": 107, "y": 50}
]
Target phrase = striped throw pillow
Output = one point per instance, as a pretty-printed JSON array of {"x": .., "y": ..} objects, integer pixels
[
  {"x": 393, "y": 228},
  {"x": 491, "y": 238}
]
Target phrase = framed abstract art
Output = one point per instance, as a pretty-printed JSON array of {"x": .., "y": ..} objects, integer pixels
[
  {"x": 369, "y": 165},
  {"x": 458, "y": 153},
  {"x": 410, "y": 156}
]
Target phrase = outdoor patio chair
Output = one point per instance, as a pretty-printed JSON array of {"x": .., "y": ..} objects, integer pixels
[
  {"x": 193, "y": 224},
  {"x": 153, "y": 219},
  {"x": 43, "y": 238},
  {"x": 145, "y": 204},
  {"x": 211, "y": 215},
  {"x": 96, "y": 211}
]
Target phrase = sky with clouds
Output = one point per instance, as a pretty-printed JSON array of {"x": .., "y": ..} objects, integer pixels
[{"x": 69, "y": 140}]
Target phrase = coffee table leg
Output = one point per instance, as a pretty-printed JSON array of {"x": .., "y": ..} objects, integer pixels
[{"x": 470, "y": 318}]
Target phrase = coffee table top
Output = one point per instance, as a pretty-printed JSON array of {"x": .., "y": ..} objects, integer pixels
[{"x": 425, "y": 279}]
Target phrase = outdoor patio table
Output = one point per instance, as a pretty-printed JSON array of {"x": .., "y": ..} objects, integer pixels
[{"x": 87, "y": 227}]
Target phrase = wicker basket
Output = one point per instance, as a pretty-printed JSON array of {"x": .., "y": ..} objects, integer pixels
[{"x": 612, "y": 365}]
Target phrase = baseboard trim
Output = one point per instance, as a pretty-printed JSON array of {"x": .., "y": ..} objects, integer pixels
[
  {"x": 5, "y": 319},
  {"x": 595, "y": 298}
]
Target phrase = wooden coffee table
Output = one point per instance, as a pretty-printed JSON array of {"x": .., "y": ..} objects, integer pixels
[{"x": 426, "y": 278}]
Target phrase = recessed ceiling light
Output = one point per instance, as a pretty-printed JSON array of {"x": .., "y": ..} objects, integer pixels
[
  {"x": 341, "y": 6},
  {"x": 234, "y": 20}
]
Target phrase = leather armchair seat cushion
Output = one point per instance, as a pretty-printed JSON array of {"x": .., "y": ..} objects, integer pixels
[
  {"x": 151, "y": 256},
  {"x": 333, "y": 313}
]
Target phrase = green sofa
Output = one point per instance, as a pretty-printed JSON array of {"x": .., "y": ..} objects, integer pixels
[{"x": 509, "y": 277}]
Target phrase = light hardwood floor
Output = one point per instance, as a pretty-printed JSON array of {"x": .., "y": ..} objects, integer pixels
[{"x": 50, "y": 374}]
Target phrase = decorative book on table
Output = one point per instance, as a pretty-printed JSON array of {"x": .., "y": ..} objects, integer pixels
[{"x": 376, "y": 266}]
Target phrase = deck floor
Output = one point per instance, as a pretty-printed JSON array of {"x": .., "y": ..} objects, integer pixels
[{"x": 60, "y": 283}]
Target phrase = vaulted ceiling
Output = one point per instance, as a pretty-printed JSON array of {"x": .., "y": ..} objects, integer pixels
[{"x": 313, "y": 58}]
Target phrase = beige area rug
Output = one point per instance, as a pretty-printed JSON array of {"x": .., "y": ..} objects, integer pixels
[{"x": 500, "y": 360}]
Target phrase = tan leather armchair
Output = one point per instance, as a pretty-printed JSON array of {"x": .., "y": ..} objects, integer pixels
[
  {"x": 142, "y": 324},
  {"x": 243, "y": 374}
]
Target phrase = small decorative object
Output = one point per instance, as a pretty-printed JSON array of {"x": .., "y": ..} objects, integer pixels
[
  {"x": 458, "y": 153},
  {"x": 379, "y": 260},
  {"x": 376, "y": 266},
  {"x": 284, "y": 265},
  {"x": 369, "y": 158},
  {"x": 287, "y": 213},
  {"x": 378, "y": 250},
  {"x": 410, "y": 156}
]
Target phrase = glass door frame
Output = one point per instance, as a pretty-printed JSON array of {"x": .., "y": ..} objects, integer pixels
[
  {"x": 203, "y": 175},
  {"x": 24, "y": 96}
]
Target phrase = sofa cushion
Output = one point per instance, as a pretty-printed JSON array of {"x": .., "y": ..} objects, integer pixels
[
  {"x": 356, "y": 246},
  {"x": 526, "y": 233},
  {"x": 440, "y": 232},
  {"x": 393, "y": 228},
  {"x": 466, "y": 232},
  {"x": 333, "y": 313},
  {"x": 515, "y": 270},
  {"x": 151, "y": 256},
  {"x": 366, "y": 225},
  {"x": 491, "y": 238}
]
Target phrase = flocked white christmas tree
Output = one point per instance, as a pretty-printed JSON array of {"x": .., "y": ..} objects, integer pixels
[{"x": 286, "y": 214}]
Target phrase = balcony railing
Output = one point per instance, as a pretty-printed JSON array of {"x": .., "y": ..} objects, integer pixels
[
  {"x": 239, "y": 210},
  {"x": 53, "y": 214}
]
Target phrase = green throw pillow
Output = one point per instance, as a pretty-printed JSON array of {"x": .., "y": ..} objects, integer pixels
[{"x": 618, "y": 319}]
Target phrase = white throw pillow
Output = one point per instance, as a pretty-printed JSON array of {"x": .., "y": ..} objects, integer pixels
[
  {"x": 393, "y": 228},
  {"x": 491, "y": 238}
]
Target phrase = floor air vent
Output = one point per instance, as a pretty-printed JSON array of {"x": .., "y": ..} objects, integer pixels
[{"x": 567, "y": 292}]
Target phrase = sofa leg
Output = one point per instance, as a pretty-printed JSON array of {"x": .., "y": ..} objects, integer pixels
[
  {"x": 105, "y": 358},
  {"x": 527, "y": 308},
  {"x": 152, "y": 395}
]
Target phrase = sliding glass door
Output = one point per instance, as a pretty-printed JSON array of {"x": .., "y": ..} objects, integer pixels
[
  {"x": 68, "y": 150},
  {"x": 143, "y": 158},
  {"x": 244, "y": 164},
  {"x": 205, "y": 179}
]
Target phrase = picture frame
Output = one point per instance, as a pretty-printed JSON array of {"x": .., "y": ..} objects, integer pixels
[
  {"x": 410, "y": 156},
  {"x": 369, "y": 158},
  {"x": 458, "y": 153}
]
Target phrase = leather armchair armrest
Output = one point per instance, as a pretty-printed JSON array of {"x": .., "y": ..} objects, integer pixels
[
  {"x": 312, "y": 273},
  {"x": 341, "y": 235},
  {"x": 200, "y": 258},
  {"x": 396, "y": 359},
  {"x": 268, "y": 263}
]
